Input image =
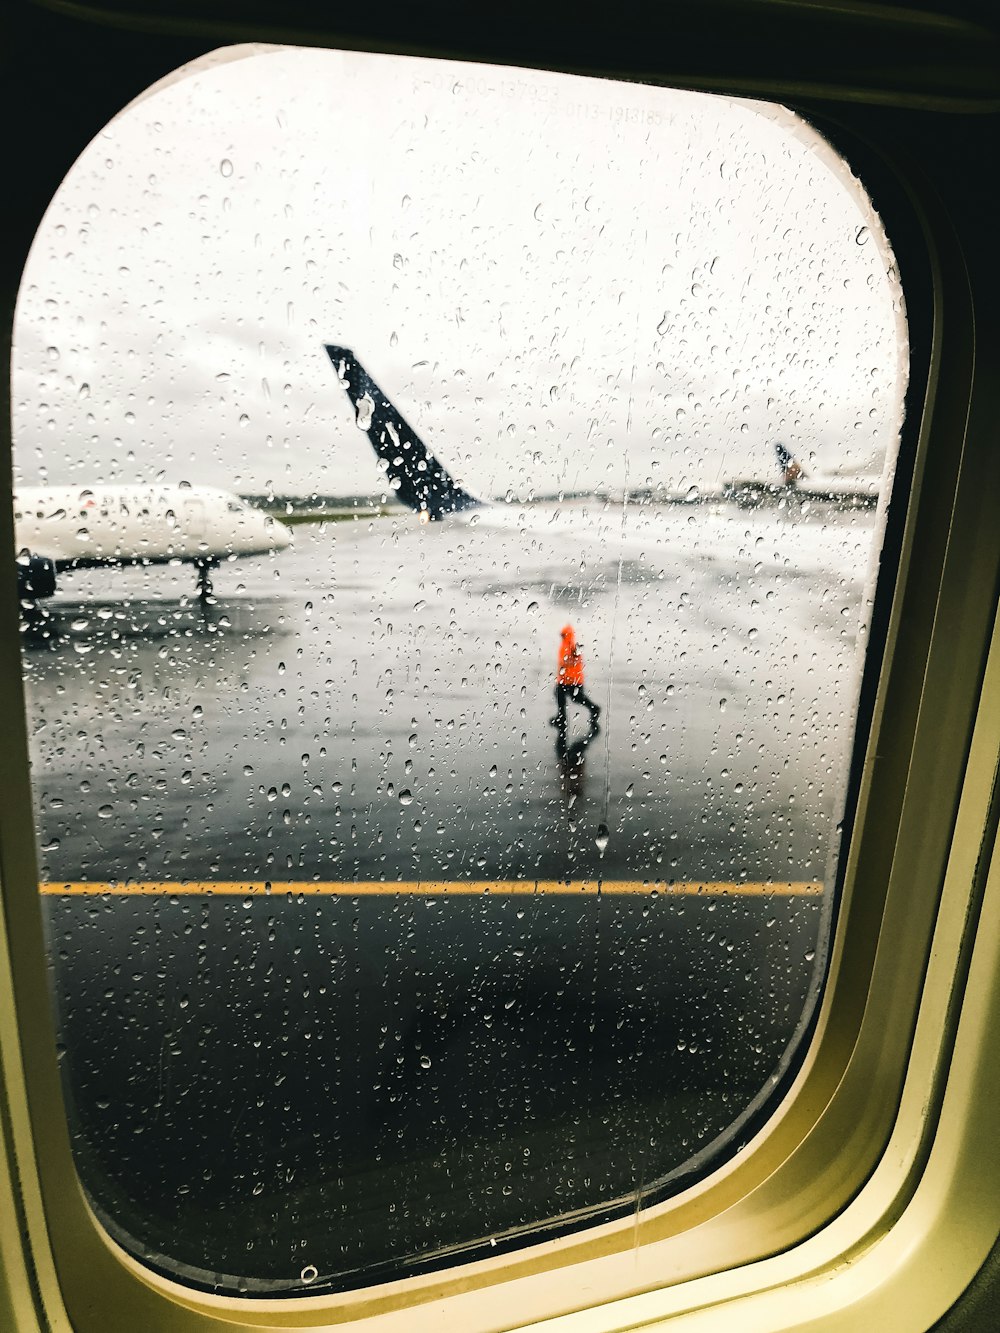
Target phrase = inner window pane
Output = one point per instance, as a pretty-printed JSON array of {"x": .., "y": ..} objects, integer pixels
[{"x": 448, "y": 505}]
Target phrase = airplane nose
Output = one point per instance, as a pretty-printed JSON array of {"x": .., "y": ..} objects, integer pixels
[{"x": 277, "y": 533}]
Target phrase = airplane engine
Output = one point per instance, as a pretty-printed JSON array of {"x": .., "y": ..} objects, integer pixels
[{"x": 36, "y": 577}]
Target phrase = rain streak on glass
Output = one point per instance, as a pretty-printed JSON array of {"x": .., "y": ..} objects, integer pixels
[{"x": 449, "y": 501}]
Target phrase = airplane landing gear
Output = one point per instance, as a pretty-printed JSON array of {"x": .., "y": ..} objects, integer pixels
[{"x": 204, "y": 580}]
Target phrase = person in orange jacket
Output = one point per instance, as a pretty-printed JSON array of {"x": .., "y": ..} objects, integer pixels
[{"x": 569, "y": 682}]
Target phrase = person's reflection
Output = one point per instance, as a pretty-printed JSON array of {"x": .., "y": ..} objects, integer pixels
[{"x": 571, "y": 765}]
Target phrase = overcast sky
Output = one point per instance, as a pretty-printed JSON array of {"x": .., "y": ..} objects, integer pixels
[{"x": 561, "y": 282}]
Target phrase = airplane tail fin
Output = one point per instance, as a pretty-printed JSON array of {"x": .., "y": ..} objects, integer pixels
[
  {"x": 415, "y": 475},
  {"x": 791, "y": 469}
]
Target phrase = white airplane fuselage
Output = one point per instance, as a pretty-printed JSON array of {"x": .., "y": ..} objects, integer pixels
[{"x": 82, "y": 526}]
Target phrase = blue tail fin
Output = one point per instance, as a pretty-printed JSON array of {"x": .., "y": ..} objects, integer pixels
[
  {"x": 789, "y": 465},
  {"x": 415, "y": 475}
]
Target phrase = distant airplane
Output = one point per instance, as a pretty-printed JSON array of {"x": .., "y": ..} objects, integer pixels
[
  {"x": 80, "y": 527},
  {"x": 791, "y": 468},
  {"x": 795, "y": 484},
  {"x": 420, "y": 481}
]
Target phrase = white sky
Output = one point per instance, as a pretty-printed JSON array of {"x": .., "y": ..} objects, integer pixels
[{"x": 559, "y": 281}]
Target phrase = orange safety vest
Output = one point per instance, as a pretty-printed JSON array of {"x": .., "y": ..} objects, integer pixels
[{"x": 570, "y": 670}]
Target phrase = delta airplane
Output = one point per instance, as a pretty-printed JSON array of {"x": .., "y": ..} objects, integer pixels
[
  {"x": 73, "y": 527},
  {"x": 420, "y": 481},
  {"x": 794, "y": 484},
  {"x": 413, "y": 473}
]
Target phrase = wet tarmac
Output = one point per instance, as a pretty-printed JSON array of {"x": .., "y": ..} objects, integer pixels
[{"x": 308, "y": 1022}]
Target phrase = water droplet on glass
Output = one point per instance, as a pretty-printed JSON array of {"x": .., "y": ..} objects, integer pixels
[{"x": 366, "y": 406}]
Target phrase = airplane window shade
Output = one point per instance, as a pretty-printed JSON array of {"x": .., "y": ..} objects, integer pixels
[{"x": 450, "y": 501}]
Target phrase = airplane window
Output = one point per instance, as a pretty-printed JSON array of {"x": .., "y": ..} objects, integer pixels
[{"x": 453, "y": 859}]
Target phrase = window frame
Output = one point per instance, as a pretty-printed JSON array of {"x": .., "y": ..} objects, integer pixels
[{"x": 786, "y": 1226}]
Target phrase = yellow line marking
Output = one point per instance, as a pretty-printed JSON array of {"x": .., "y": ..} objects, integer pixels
[{"x": 431, "y": 888}]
